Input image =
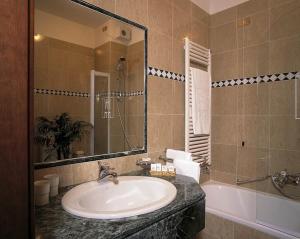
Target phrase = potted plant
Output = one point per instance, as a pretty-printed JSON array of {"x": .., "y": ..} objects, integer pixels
[{"x": 59, "y": 133}]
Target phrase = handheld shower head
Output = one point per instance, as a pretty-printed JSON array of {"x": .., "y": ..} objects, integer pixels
[{"x": 121, "y": 63}]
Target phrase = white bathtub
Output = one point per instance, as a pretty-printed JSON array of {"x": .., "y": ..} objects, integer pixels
[{"x": 277, "y": 216}]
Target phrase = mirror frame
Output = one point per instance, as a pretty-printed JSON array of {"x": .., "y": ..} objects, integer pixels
[{"x": 118, "y": 154}]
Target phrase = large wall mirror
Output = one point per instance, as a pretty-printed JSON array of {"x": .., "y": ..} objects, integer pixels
[{"x": 90, "y": 74}]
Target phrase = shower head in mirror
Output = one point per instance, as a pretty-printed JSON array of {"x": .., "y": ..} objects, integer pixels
[{"x": 121, "y": 63}]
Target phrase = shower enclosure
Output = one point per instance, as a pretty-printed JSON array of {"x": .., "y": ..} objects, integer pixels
[
  {"x": 279, "y": 162},
  {"x": 268, "y": 158},
  {"x": 107, "y": 104},
  {"x": 256, "y": 109}
]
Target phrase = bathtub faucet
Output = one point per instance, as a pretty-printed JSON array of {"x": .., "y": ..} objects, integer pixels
[{"x": 282, "y": 178}]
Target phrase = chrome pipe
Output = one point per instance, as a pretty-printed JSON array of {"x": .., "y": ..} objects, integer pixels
[
  {"x": 239, "y": 181},
  {"x": 279, "y": 180}
]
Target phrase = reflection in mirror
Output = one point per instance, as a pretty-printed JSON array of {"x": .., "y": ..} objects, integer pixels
[{"x": 89, "y": 71}]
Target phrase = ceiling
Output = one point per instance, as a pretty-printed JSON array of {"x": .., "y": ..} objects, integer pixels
[
  {"x": 72, "y": 11},
  {"x": 88, "y": 17},
  {"x": 214, "y": 6}
]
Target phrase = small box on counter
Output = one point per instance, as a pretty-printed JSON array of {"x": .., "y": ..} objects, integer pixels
[{"x": 162, "y": 170}]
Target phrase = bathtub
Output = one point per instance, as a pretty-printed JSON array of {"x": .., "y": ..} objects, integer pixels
[{"x": 274, "y": 215}]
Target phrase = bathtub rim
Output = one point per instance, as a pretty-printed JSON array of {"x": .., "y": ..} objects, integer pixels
[
  {"x": 214, "y": 182},
  {"x": 238, "y": 220}
]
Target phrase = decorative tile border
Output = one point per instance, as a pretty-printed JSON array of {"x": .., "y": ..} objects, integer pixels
[
  {"x": 257, "y": 79},
  {"x": 121, "y": 94},
  {"x": 84, "y": 94},
  {"x": 60, "y": 92},
  {"x": 152, "y": 71},
  {"x": 179, "y": 77}
]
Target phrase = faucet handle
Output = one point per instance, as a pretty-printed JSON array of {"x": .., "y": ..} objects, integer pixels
[
  {"x": 283, "y": 173},
  {"x": 297, "y": 180}
]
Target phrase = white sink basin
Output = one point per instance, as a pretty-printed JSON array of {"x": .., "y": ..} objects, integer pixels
[{"x": 133, "y": 195}]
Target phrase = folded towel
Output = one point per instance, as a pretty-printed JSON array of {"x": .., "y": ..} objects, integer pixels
[
  {"x": 178, "y": 154},
  {"x": 201, "y": 86},
  {"x": 187, "y": 168}
]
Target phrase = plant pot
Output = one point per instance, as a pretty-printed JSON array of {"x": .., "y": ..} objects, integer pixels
[
  {"x": 66, "y": 151},
  {"x": 45, "y": 155}
]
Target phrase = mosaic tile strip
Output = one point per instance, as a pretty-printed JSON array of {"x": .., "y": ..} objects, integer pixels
[
  {"x": 152, "y": 71},
  {"x": 60, "y": 92},
  {"x": 257, "y": 79},
  {"x": 121, "y": 94},
  {"x": 83, "y": 94}
]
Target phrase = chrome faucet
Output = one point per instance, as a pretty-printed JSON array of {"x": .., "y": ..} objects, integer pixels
[
  {"x": 282, "y": 178},
  {"x": 279, "y": 180},
  {"x": 106, "y": 171}
]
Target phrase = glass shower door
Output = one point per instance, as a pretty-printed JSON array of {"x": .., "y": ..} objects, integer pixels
[
  {"x": 101, "y": 112},
  {"x": 278, "y": 200}
]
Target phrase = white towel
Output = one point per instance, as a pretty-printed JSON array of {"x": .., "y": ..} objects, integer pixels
[
  {"x": 187, "y": 168},
  {"x": 201, "y": 84},
  {"x": 178, "y": 154}
]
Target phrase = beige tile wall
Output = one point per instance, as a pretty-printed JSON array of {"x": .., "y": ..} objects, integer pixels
[
  {"x": 134, "y": 105},
  {"x": 82, "y": 172},
  {"x": 57, "y": 64},
  {"x": 260, "y": 115},
  {"x": 168, "y": 21},
  {"x": 255, "y": 114}
]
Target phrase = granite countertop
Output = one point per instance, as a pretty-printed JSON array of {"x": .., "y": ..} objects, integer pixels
[{"x": 53, "y": 222}]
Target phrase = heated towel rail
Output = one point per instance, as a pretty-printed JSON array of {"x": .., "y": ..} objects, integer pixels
[{"x": 199, "y": 145}]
